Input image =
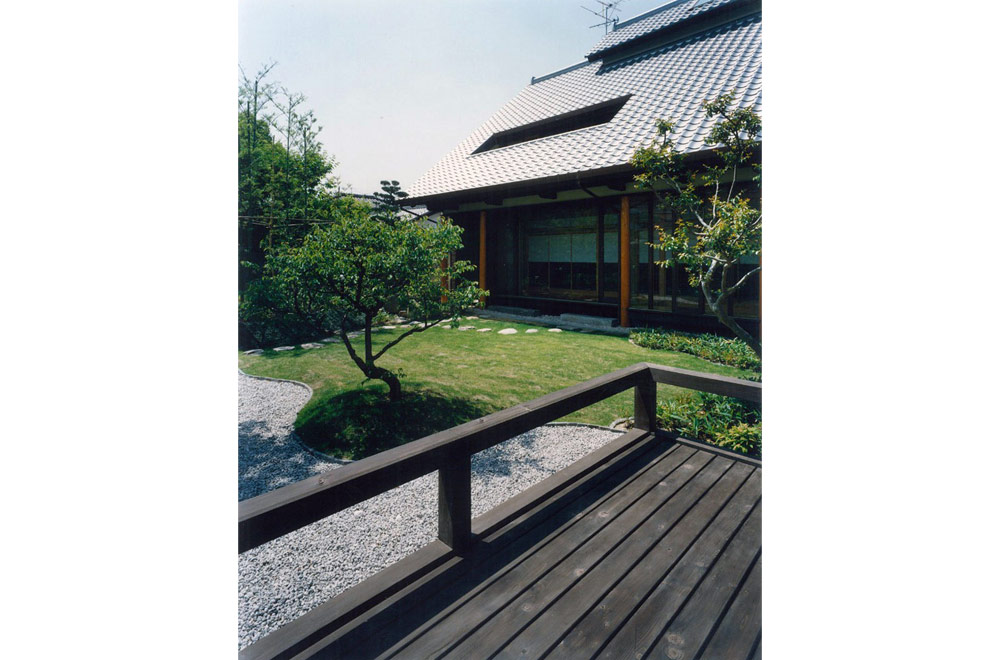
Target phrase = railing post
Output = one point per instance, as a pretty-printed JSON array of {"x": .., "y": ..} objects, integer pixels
[
  {"x": 455, "y": 501},
  {"x": 645, "y": 401}
]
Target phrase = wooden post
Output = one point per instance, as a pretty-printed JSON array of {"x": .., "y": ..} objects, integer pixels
[
  {"x": 624, "y": 266},
  {"x": 645, "y": 402},
  {"x": 482, "y": 252},
  {"x": 455, "y": 501}
]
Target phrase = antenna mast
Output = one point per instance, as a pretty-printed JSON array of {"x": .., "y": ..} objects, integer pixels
[{"x": 608, "y": 9}]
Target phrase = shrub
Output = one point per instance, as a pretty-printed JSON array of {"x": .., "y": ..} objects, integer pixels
[
  {"x": 723, "y": 421},
  {"x": 731, "y": 352}
]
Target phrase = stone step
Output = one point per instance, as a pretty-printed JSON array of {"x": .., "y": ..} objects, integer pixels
[
  {"x": 593, "y": 321},
  {"x": 518, "y": 311}
]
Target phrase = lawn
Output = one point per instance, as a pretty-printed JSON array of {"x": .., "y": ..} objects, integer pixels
[{"x": 451, "y": 376}]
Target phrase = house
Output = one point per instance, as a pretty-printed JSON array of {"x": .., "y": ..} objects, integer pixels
[{"x": 544, "y": 190}]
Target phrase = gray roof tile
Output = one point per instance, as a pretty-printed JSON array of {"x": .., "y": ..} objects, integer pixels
[
  {"x": 653, "y": 20},
  {"x": 668, "y": 82}
]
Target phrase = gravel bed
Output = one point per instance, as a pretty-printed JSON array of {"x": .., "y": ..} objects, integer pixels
[{"x": 289, "y": 576}]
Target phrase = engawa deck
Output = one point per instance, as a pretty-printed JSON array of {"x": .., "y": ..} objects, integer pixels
[{"x": 648, "y": 547}]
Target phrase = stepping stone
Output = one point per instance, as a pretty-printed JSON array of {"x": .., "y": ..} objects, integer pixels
[
  {"x": 484, "y": 329},
  {"x": 554, "y": 330},
  {"x": 330, "y": 340},
  {"x": 284, "y": 348},
  {"x": 471, "y": 318},
  {"x": 254, "y": 351},
  {"x": 528, "y": 332},
  {"x": 507, "y": 331},
  {"x": 466, "y": 327},
  {"x": 388, "y": 327},
  {"x": 353, "y": 335},
  {"x": 312, "y": 345}
]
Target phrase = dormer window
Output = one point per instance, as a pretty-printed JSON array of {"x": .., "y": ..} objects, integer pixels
[{"x": 592, "y": 115}]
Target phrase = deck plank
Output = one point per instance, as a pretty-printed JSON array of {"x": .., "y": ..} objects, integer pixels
[
  {"x": 644, "y": 626},
  {"x": 616, "y": 514},
  {"x": 589, "y": 632},
  {"x": 652, "y": 550},
  {"x": 586, "y": 564},
  {"x": 689, "y": 630},
  {"x": 739, "y": 629}
]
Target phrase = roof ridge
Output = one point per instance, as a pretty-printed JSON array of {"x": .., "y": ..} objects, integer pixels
[
  {"x": 559, "y": 72},
  {"x": 647, "y": 14}
]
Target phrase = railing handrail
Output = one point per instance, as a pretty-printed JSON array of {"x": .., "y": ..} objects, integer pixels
[{"x": 283, "y": 510}]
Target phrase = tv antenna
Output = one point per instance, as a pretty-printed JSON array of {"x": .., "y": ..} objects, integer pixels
[{"x": 608, "y": 9}]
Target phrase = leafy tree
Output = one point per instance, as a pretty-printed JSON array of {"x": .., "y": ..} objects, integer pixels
[
  {"x": 284, "y": 174},
  {"x": 365, "y": 262},
  {"x": 716, "y": 224}
]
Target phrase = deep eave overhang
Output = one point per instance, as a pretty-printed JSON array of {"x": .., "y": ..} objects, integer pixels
[{"x": 551, "y": 184}]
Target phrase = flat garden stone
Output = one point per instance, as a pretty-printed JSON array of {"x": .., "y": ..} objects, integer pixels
[
  {"x": 507, "y": 331},
  {"x": 388, "y": 327},
  {"x": 466, "y": 327},
  {"x": 330, "y": 340},
  {"x": 555, "y": 330},
  {"x": 284, "y": 348},
  {"x": 471, "y": 318},
  {"x": 254, "y": 351},
  {"x": 528, "y": 332},
  {"x": 484, "y": 330},
  {"x": 312, "y": 344}
]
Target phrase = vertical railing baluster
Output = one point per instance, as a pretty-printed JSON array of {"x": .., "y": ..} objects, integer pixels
[{"x": 455, "y": 500}]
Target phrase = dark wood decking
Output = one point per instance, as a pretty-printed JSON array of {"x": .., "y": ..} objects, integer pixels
[{"x": 650, "y": 547}]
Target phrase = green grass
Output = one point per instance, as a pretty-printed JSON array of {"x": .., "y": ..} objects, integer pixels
[{"x": 452, "y": 376}]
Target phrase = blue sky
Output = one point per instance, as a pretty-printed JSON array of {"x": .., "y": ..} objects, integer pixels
[{"x": 396, "y": 85}]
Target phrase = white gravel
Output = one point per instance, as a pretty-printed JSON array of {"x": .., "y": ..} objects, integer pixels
[{"x": 287, "y": 577}]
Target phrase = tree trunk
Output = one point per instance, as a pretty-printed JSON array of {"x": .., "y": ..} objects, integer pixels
[
  {"x": 719, "y": 309},
  {"x": 395, "y": 388}
]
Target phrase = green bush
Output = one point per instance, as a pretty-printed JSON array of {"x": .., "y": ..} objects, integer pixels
[
  {"x": 723, "y": 421},
  {"x": 731, "y": 352}
]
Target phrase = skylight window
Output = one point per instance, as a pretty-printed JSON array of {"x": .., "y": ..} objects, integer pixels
[{"x": 592, "y": 115}]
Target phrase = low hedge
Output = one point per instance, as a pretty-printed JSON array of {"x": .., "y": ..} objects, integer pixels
[{"x": 731, "y": 352}]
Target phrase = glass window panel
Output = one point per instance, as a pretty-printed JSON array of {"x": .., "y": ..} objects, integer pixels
[
  {"x": 746, "y": 300},
  {"x": 559, "y": 272},
  {"x": 639, "y": 248},
  {"x": 584, "y": 248},
  {"x": 559, "y": 248},
  {"x": 538, "y": 248},
  {"x": 687, "y": 294},
  {"x": 611, "y": 246}
]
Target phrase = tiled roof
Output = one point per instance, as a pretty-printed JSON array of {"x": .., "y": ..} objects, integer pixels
[
  {"x": 656, "y": 19},
  {"x": 668, "y": 82}
]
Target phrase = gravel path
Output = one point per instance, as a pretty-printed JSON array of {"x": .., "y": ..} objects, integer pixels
[{"x": 287, "y": 577}]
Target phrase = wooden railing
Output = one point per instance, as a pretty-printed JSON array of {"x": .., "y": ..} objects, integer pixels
[{"x": 278, "y": 512}]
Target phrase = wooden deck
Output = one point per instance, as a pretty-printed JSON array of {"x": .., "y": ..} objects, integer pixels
[{"x": 647, "y": 548}]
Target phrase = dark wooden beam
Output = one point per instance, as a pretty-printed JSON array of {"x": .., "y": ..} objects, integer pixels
[
  {"x": 696, "y": 380},
  {"x": 455, "y": 501},
  {"x": 645, "y": 403},
  {"x": 548, "y": 195}
]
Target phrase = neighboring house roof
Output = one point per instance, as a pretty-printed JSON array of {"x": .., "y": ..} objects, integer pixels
[{"x": 670, "y": 80}]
